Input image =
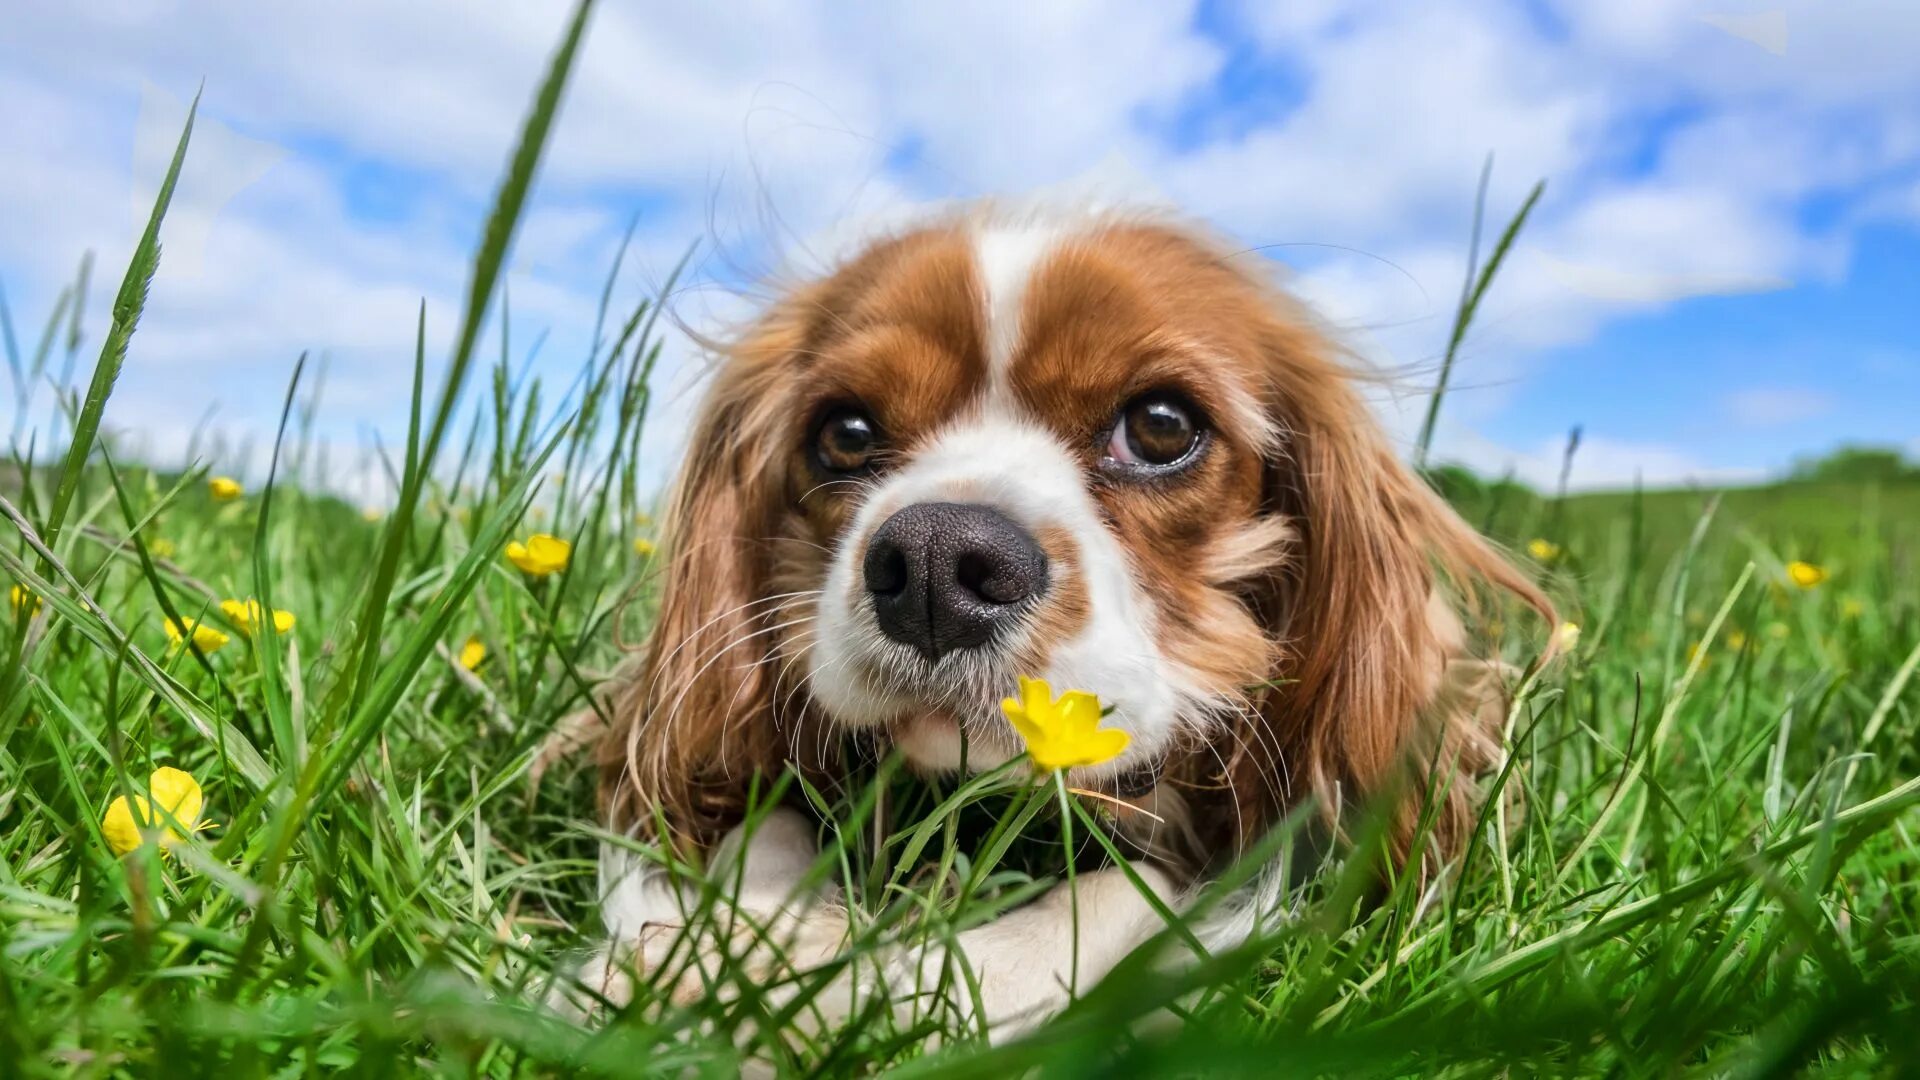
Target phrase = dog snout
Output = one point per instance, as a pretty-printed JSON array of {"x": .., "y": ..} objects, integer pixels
[{"x": 946, "y": 576}]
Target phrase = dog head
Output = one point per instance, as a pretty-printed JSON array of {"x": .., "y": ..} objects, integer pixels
[{"x": 1095, "y": 450}]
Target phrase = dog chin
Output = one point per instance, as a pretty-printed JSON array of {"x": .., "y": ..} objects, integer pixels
[{"x": 932, "y": 742}]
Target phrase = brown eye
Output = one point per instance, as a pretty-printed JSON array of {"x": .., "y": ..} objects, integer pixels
[
  {"x": 846, "y": 440},
  {"x": 1154, "y": 431}
]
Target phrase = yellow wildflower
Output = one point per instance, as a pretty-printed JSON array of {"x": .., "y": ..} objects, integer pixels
[
  {"x": 1778, "y": 631},
  {"x": 23, "y": 597},
  {"x": 1805, "y": 574},
  {"x": 370, "y": 515},
  {"x": 224, "y": 488},
  {"x": 542, "y": 554},
  {"x": 160, "y": 547},
  {"x": 208, "y": 638},
  {"x": 1852, "y": 608},
  {"x": 1064, "y": 733},
  {"x": 643, "y": 547},
  {"x": 1736, "y": 640},
  {"x": 1543, "y": 549},
  {"x": 1566, "y": 637},
  {"x": 246, "y": 615},
  {"x": 1698, "y": 650},
  {"x": 179, "y": 798},
  {"x": 472, "y": 653}
]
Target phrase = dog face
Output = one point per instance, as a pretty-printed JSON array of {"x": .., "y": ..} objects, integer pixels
[
  {"x": 1036, "y": 451},
  {"x": 1093, "y": 450}
]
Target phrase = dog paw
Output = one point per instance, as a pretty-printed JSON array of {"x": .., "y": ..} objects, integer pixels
[{"x": 718, "y": 962}]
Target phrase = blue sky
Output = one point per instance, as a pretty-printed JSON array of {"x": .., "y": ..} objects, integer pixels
[{"x": 1720, "y": 277}]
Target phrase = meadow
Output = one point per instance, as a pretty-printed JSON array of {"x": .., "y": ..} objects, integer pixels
[{"x": 1714, "y": 869}]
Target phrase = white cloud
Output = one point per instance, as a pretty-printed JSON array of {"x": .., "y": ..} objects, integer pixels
[
  {"x": 1767, "y": 29},
  {"x": 1599, "y": 464},
  {"x": 1777, "y": 406}
]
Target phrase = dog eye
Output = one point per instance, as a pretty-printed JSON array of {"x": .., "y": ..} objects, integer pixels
[
  {"x": 1155, "y": 431},
  {"x": 846, "y": 440}
]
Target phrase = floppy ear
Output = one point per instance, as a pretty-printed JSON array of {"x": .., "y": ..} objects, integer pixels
[
  {"x": 1378, "y": 695},
  {"x": 694, "y": 719}
]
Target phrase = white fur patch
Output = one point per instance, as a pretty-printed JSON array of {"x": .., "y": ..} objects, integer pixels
[{"x": 1007, "y": 255}]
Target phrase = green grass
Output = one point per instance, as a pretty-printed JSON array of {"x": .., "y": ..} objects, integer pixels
[{"x": 1716, "y": 870}]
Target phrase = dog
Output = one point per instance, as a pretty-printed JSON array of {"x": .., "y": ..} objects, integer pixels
[{"x": 1097, "y": 448}]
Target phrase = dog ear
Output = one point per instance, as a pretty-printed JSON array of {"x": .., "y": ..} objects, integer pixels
[
  {"x": 1377, "y": 695},
  {"x": 694, "y": 719}
]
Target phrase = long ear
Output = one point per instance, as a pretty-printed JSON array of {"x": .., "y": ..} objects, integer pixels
[
  {"x": 1378, "y": 696},
  {"x": 694, "y": 719}
]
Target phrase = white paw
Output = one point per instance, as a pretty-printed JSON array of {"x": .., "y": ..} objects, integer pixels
[{"x": 717, "y": 961}]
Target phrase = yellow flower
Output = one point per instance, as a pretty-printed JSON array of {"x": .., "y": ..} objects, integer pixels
[
  {"x": 246, "y": 616},
  {"x": 472, "y": 653},
  {"x": 1805, "y": 574},
  {"x": 1778, "y": 631},
  {"x": 22, "y": 597},
  {"x": 1696, "y": 650},
  {"x": 1064, "y": 733},
  {"x": 643, "y": 547},
  {"x": 1566, "y": 637},
  {"x": 160, "y": 547},
  {"x": 1543, "y": 550},
  {"x": 370, "y": 515},
  {"x": 208, "y": 638},
  {"x": 541, "y": 555},
  {"x": 178, "y": 795},
  {"x": 224, "y": 488},
  {"x": 1852, "y": 608},
  {"x": 642, "y": 518},
  {"x": 1736, "y": 640}
]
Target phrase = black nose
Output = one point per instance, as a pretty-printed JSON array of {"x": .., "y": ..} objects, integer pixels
[{"x": 943, "y": 576}]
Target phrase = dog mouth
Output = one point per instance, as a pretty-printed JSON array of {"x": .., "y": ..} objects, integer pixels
[{"x": 936, "y": 741}]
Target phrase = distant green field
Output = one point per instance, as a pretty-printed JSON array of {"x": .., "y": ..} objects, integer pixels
[{"x": 1716, "y": 870}]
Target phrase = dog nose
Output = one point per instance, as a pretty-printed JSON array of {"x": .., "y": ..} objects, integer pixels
[{"x": 944, "y": 576}]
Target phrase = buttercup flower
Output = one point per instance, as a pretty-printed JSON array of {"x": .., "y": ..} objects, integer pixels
[
  {"x": 1543, "y": 550},
  {"x": 1779, "y": 631},
  {"x": 1064, "y": 733},
  {"x": 23, "y": 598},
  {"x": 542, "y": 554},
  {"x": 472, "y": 653},
  {"x": 1805, "y": 574},
  {"x": 643, "y": 547},
  {"x": 1566, "y": 637},
  {"x": 246, "y": 616},
  {"x": 208, "y": 638},
  {"x": 224, "y": 488},
  {"x": 178, "y": 795},
  {"x": 160, "y": 547},
  {"x": 1852, "y": 608},
  {"x": 370, "y": 515}
]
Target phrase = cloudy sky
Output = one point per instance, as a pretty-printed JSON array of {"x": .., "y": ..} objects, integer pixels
[{"x": 1722, "y": 274}]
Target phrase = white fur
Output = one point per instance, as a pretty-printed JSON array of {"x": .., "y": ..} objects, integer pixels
[{"x": 1006, "y": 256}]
